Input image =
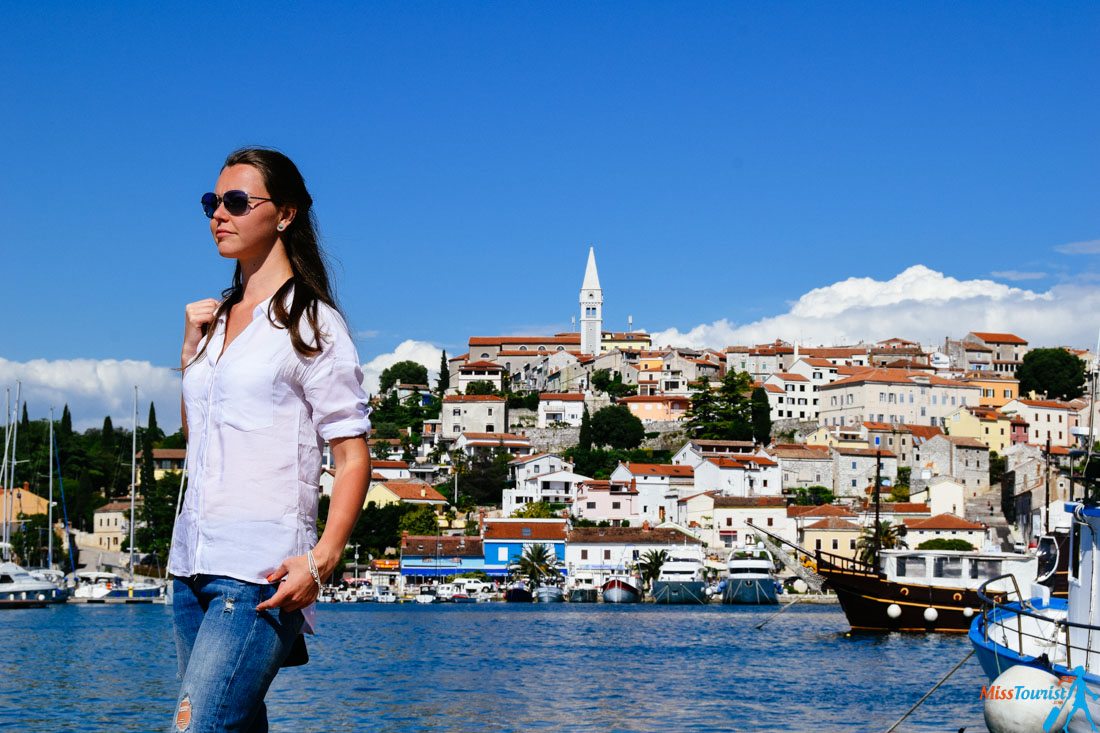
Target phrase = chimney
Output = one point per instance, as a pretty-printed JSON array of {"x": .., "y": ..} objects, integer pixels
[
  {"x": 645, "y": 526},
  {"x": 423, "y": 493}
]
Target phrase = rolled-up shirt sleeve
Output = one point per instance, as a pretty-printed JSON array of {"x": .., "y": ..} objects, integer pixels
[{"x": 333, "y": 388}]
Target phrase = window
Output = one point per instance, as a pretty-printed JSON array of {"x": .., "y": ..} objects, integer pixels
[
  {"x": 584, "y": 554},
  {"x": 818, "y": 544},
  {"x": 836, "y": 544},
  {"x": 851, "y": 544},
  {"x": 490, "y": 411},
  {"x": 457, "y": 412},
  {"x": 947, "y": 567},
  {"x": 607, "y": 554},
  {"x": 729, "y": 521},
  {"x": 502, "y": 554},
  {"x": 910, "y": 566},
  {"x": 590, "y": 505},
  {"x": 853, "y": 483},
  {"x": 616, "y": 505},
  {"x": 853, "y": 465},
  {"x": 771, "y": 521}
]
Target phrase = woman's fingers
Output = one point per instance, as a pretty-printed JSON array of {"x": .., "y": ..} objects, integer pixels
[{"x": 297, "y": 589}]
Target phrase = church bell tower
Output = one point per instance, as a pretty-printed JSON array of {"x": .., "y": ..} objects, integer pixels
[{"x": 591, "y": 307}]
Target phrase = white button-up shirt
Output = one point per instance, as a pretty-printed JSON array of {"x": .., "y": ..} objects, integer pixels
[{"x": 257, "y": 418}]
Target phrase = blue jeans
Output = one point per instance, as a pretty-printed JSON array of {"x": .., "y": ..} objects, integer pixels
[{"x": 228, "y": 652}]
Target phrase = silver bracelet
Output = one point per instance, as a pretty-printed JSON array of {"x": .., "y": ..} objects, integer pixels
[{"x": 313, "y": 569}]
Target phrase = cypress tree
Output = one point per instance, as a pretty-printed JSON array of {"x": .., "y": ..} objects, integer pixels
[
  {"x": 761, "y": 412},
  {"x": 66, "y": 427},
  {"x": 585, "y": 440},
  {"x": 444, "y": 382},
  {"x": 147, "y": 437},
  {"x": 107, "y": 435},
  {"x": 151, "y": 424},
  {"x": 25, "y": 423}
]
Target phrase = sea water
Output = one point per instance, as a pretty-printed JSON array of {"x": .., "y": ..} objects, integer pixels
[{"x": 506, "y": 667}]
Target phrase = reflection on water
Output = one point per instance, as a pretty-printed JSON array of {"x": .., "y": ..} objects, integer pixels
[{"x": 500, "y": 667}]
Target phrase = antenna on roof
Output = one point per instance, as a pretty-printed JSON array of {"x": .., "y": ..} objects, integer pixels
[
  {"x": 629, "y": 324},
  {"x": 573, "y": 322}
]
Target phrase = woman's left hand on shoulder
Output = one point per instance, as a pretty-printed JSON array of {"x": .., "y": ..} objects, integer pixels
[{"x": 297, "y": 589}]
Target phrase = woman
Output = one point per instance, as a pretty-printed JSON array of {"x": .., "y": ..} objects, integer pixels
[{"x": 269, "y": 374}]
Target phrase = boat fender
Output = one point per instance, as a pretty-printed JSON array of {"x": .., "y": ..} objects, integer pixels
[
  {"x": 1017, "y": 715},
  {"x": 108, "y": 585},
  {"x": 968, "y": 612},
  {"x": 41, "y": 596},
  {"x": 931, "y": 614},
  {"x": 957, "y": 597},
  {"x": 893, "y": 610}
]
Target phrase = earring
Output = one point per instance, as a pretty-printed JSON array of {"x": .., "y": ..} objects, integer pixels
[{"x": 282, "y": 226}]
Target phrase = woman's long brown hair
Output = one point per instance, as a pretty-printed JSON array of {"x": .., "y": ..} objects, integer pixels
[{"x": 310, "y": 280}]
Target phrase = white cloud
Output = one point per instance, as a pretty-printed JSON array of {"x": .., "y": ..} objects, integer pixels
[
  {"x": 1090, "y": 247},
  {"x": 94, "y": 389},
  {"x": 421, "y": 352},
  {"x": 919, "y": 303},
  {"x": 1016, "y": 275}
]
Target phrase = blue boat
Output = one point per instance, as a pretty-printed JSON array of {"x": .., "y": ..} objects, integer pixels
[
  {"x": 750, "y": 580},
  {"x": 1028, "y": 638}
]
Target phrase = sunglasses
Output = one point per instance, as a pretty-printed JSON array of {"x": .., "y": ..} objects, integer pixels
[{"x": 235, "y": 202}]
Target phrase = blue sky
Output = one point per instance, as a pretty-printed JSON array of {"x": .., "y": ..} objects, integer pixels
[{"x": 726, "y": 160}]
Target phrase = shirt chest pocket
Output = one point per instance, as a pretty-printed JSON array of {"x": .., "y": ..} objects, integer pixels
[{"x": 246, "y": 395}]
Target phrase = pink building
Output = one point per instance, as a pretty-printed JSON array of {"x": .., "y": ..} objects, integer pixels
[{"x": 607, "y": 501}]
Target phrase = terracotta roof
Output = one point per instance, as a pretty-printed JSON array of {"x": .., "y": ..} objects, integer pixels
[
  {"x": 487, "y": 365},
  {"x": 443, "y": 547},
  {"x": 943, "y": 521},
  {"x": 629, "y": 535},
  {"x": 901, "y": 507},
  {"x": 999, "y": 338},
  {"x": 1046, "y": 404},
  {"x": 800, "y": 452},
  {"x": 472, "y": 398},
  {"x": 507, "y": 437},
  {"x": 520, "y": 352},
  {"x": 775, "y": 388},
  {"x": 659, "y": 469},
  {"x": 834, "y": 352},
  {"x": 501, "y": 340},
  {"x": 825, "y": 510},
  {"x": 869, "y": 452},
  {"x": 532, "y": 457},
  {"x": 655, "y": 398},
  {"x": 553, "y": 529},
  {"x": 170, "y": 454},
  {"x": 413, "y": 490},
  {"x": 834, "y": 523},
  {"x": 966, "y": 442},
  {"x": 562, "y": 396},
  {"x": 723, "y": 443},
  {"x": 762, "y": 502},
  {"x": 788, "y": 377},
  {"x": 818, "y": 362},
  {"x": 925, "y": 432},
  {"x": 377, "y": 463},
  {"x": 460, "y": 357},
  {"x": 115, "y": 506}
]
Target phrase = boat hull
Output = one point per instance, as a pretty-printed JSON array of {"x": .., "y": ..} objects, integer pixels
[
  {"x": 518, "y": 595},
  {"x": 35, "y": 598},
  {"x": 619, "y": 591},
  {"x": 680, "y": 592},
  {"x": 550, "y": 595},
  {"x": 583, "y": 595},
  {"x": 750, "y": 591},
  {"x": 867, "y": 598}
]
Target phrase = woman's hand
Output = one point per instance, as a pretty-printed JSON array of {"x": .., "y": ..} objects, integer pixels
[
  {"x": 197, "y": 315},
  {"x": 298, "y": 588}
]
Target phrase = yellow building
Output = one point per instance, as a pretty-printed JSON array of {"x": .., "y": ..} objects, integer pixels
[
  {"x": 24, "y": 502},
  {"x": 403, "y": 491},
  {"x": 833, "y": 535},
  {"x": 997, "y": 389},
  {"x": 991, "y": 427},
  {"x": 626, "y": 341},
  {"x": 165, "y": 460},
  {"x": 837, "y": 437}
]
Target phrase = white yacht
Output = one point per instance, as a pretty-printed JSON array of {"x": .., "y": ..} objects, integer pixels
[
  {"x": 20, "y": 589},
  {"x": 683, "y": 577},
  {"x": 93, "y": 586}
]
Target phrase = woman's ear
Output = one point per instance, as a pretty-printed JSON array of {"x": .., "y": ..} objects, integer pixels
[{"x": 286, "y": 216}]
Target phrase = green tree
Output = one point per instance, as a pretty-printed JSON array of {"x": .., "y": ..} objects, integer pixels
[
  {"x": 420, "y": 521},
  {"x": 1055, "y": 373},
  {"x": 649, "y": 567},
  {"x": 725, "y": 414},
  {"x": 813, "y": 496},
  {"x": 584, "y": 441},
  {"x": 891, "y": 538},
  {"x": 151, "y": 424},
  {"x": 535, "y": 510},
  {"x": 403, "y": 372},
  {"x": 25, "y": 423},
  {"x": 483, "y": 480},
  {"x": 65, "y": 428},
  {"x": 480, "y": 386},
  {"x": 444, "y": 381},
  {"x": 613, "y": 386},
  {"x": 942, "y": 543},
  {"x": 617, "y": 427},
  {"x": 30, "y": 541},
  {"x": 107, "y": 433},
  {"x": 156, "y": 515},
  {"x": 761, "y": 413},
  {"x": 997, "y": 465},
  {"x": 537, "y": 564}
]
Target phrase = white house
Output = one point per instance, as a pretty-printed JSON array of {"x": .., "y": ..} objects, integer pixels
[
  {"x": 728, "y": 521},
  {"x": 542, "y": 477},
  {"x": 799, "y": 400},
  {"x": 659, "y": 487},
  {"x": 943, "y": 495},
  {"x": 603, "y": 551},
  {"x": 1046, "y": 420},
  {"x": 480, "y": 371},
  {"x": 895, "y": 396},
  {"x": 607, "y": 501},
  {"x": 485, "y": 444},
  {"x": 696, "y": 451},
  {"x": 560, "y": 408},
  {"x": 947, "y": 527},
  {"x": 742, "y": 476},
  {"x": 472, "y": 414}
]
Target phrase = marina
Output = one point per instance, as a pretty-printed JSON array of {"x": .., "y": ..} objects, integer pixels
[{"x": 509, "y": 667}]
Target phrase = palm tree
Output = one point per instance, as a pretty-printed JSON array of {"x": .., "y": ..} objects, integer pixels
[
  {"x": 649, "y": 566},
  {"x": 890, "y": 538},
  {"x": 537, "y": 564}
]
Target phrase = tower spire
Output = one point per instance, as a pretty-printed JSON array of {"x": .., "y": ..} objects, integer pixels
[{"x": 591, "y": 301}]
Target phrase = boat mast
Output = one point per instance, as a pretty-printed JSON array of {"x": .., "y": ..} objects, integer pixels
[
  {"x": 133, "y": 481},
  {"x": 1092, "y": 419},
  {"x": 9, "y": 499},
  {"x": 878, "y": 502},
  {"x": 4, "y": 471},
  {"x": 49, "y": 504}
]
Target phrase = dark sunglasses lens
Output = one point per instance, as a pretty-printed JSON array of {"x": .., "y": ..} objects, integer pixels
[
  {"x": 236, "y": 202},
  {"x": 209, "y": 204}
]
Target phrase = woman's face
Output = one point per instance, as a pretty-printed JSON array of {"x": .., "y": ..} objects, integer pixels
[{"x": 253, "y": 233}]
